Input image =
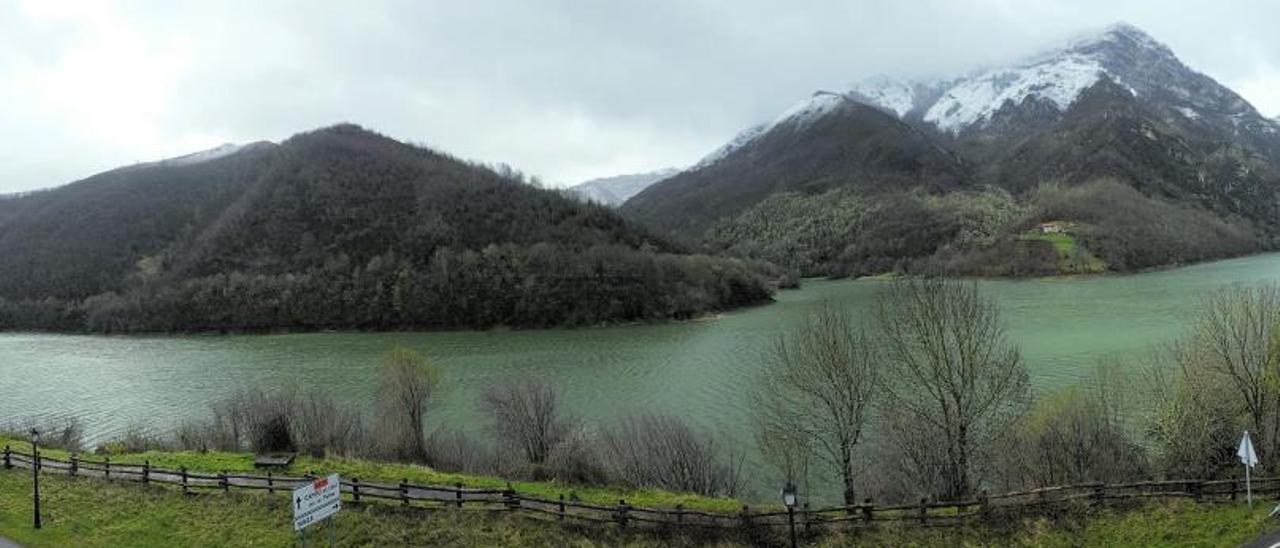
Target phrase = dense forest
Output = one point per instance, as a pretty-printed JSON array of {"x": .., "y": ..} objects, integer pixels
[
  {"x": 1100, "y": 225},
  {"x": 340, "y": 228}
]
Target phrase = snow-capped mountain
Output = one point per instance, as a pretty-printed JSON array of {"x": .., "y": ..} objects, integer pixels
[
  {"x": 1113, "y": 104},
  {"x": 220, "y": 151},
  {"x": 613, "y": 191},
  {"x": 1050, "y": 82}
]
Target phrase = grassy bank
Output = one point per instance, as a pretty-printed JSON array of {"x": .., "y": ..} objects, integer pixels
[
  {"x": 93, "y": 512},
  {"x": 387, "y": 472}
]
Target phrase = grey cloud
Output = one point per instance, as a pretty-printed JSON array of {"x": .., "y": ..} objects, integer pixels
[{"x": 567, "y": 90}]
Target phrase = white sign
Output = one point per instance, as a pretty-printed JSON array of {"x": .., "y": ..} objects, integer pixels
[
  {"x": 1245, "y": 452},
  {"x": 316, "y": 500},
  {"x": 1250, "y": 459}
]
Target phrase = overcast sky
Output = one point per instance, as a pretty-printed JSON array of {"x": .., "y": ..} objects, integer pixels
[{"x": 566, "y": 90}]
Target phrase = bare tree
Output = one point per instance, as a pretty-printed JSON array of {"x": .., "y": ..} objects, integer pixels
[
  {"x": 1233, "y": 338},
  {"x": 1196, "y": 420},
  {"x": 407, "y": 387},
  {"x": 953, "y": 381},
  {"x": 323, "y": 426},
  {"x": 1074, "y": 435},
  {"x": 665, "y": 452},
  {"x": 522, "y": 414},
  {"x": 814, "y": 396}
]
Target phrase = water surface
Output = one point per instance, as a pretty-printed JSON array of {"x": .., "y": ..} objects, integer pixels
[{"x": 700, "y": 369}]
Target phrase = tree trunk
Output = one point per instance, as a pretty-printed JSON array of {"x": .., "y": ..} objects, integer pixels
[{"x": 846, "y": 473}]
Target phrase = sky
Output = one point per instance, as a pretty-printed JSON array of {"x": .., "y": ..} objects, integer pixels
[{"x": 566, "y": 90}]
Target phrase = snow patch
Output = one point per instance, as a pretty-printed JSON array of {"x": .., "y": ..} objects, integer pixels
[
  {"x": 810, "y": 109},
  {"x": 1190, "y": 113},
  {"x": 220, "y": 151},
  {"x": 740, "y": 140},
  {"x": 1059, "y": 80},
  {"x": 799, "y": 115},
  {"x": 893, "y": 95}
]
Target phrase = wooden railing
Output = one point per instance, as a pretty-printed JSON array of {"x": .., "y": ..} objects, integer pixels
[{"x": 923, "y": 513}]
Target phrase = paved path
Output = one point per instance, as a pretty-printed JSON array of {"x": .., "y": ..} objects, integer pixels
[
  {"x": 6, "y": 543},
  {"x": 1269, "y": 540}
]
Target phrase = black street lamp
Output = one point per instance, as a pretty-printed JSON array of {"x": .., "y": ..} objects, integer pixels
[
  {"x": 35, "y": 473},
  {"x": 789, "y": 498}
]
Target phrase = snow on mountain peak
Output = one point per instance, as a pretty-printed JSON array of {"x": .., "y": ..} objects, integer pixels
[
  {"x": 894, "y": 95},
  {"x": 738, "y": 141},
  {"x": 1058, "y": 80},
  {"x": 1120, "y": 34},
  {"x": 1120, "y": 53},
  {"x": 220, "y": 151},
  {"x": 800, "y": 114},
  {"x": 820, "y": 103}
]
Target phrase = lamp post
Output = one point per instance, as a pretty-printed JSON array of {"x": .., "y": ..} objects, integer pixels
[
  {"x": 789, "y": 498},
  {"x": 35, "y": 474}
]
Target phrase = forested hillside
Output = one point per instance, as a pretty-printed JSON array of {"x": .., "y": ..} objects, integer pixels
[{"x": 339, "y": 228}]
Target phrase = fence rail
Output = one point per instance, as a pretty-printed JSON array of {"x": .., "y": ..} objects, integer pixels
[{"x": 925, "y": 512}]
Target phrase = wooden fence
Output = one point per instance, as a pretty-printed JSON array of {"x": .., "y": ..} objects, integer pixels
[{"x": 923, "y": 513}]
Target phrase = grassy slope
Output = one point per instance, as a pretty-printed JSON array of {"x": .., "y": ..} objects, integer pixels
[
  {"x": 384, "y": 472},
  {"x": 1065, "y": 244},
  {"x": 93, "y": 512}
]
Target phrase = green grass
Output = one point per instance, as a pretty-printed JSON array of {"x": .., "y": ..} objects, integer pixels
[
  {"x": 1062, "y": 242},
  {"x": 1165, "y": 524},
  {"x": 1072, "y": 257},
  {"x": 90, "y": 512},
  {"x": 388, "y": 472},
  {"x": 94, "y": 512}
]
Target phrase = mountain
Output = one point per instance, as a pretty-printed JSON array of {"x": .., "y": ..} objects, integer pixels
[
  {"x": 1040, "y": 140},
  {"x": 823, "y": 142},
  {"x": 613, "y": 191},
  {"x": 338, "y": 228}
]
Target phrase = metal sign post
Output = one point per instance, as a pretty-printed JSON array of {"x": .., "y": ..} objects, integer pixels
[
  {"x": 1250, "y": 459},
  {"x": 317, "y": 501}
]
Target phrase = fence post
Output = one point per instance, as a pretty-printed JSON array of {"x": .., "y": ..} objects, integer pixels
[
  {"x": 75, "y": 465},
  {"x": 509, "y": 497},
  {"x": 106, "y": 466},
  {"x": 271, "y": 484},
  {"x": 559, "y": 507},
  {"x": 680, "y": 513},
  {"x": 146, "y": 471},
  {"x": 984, "y": 505},
  {"x": 746, "y": 517},
  {"x": 867, "y": 510},
  {"x": 1099, "y": 494},
  {"x": 1233, "y": 489},
  {"x": 924, "y": 509},
  {"x": 355, "y": 489},
  {"x": 222, "y": 481},
  {"x": 458, "y": 495},
  {"x": 185, "y": 488},
  {"x": 404, "y": 491},
  {"x": 8, "y": 464},
  {"x": 1197, "y": 488},
  {"x": 622, "y": 513}
]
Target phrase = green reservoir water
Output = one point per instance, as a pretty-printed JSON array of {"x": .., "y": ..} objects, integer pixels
[{"x": 700, "y": 370}]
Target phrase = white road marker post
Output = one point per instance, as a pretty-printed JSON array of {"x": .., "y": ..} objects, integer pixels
[{"x": 1250, "y": 459}]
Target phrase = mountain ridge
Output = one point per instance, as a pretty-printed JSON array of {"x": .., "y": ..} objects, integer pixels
[
  {"x": 338, "y": 228},
  {"x": 1114, "y": 106},
  {"x": 613, "y": 191}
]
